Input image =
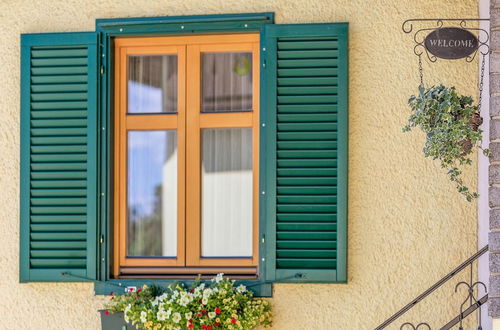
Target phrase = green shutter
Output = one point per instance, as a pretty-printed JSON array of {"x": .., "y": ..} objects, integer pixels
[
  {"x": 58, "y": 156},
  {"x": 306, "y": 120}
]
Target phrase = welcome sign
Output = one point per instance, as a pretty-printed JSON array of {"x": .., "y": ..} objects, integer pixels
[{"x": 451, "y": 43}]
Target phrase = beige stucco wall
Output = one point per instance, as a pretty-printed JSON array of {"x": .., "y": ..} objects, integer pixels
[{"x": 407, "y": 225}]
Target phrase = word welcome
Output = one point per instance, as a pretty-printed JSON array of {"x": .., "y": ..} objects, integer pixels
[{"x": 469, "y": 43}]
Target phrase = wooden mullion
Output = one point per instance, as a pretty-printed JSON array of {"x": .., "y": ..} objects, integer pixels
[
  {"x": 193, "y": 158},
  {"x": 153, "y": 122},
  {"x": 226, "y": 120}
]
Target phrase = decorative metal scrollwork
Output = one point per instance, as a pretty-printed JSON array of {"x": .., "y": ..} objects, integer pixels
[
  {"x": 470, "y": 304},
  {"x": 432, "y": 24},
  {"x": 414, "y": 327}
]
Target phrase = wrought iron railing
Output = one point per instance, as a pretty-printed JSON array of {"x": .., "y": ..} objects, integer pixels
[{"x": 470, "y": 304}]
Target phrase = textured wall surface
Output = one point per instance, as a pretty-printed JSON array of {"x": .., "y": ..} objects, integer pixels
[{"x": 407, "y": 225}]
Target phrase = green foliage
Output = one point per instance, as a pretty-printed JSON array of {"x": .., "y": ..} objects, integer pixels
[
  {"x": 217, "y": 305},
  {"x": 451, "y": 124}
]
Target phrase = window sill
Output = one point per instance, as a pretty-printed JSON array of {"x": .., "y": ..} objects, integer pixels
[{"x": 259, "y": 288}]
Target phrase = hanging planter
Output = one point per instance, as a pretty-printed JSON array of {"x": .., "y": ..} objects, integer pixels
[{"x": 451, "y": 124}]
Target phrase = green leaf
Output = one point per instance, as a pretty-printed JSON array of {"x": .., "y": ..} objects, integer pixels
[{"x": 448, "y": 120}]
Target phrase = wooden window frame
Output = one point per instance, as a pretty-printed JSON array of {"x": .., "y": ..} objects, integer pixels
[{"x": 188, "y": 121}]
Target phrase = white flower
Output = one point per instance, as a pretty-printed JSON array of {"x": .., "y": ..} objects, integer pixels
[
  {"x": 189, "y": 316},
  {"x": 183, "y": 301},
  {"x": 176, "y": 328},
  {"x": 196, "y": 292},
  {"x": 241, "y": 288},
  {"x": 161, "y": 315},
  {"x": 211, "y": 315},
  {"x": 201, "y": 286},
  {"x": 218, "y": 278},
  {"x": 207, "y": 293},
  {"x": 169, "y": 312},
  {"x": 176, "y": 293},
  {"x": 125, "y": 313},
  {"x": 204, "y": 301},
  {"x": 143, "y": 317},
  {"x": 177, "y": 317}
]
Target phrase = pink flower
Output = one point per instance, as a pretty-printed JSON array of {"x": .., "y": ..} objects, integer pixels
[{"x": 106, "y": 312}]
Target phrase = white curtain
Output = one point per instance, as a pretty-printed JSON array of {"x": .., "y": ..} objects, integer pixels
[{"x": 227, "y": 192}]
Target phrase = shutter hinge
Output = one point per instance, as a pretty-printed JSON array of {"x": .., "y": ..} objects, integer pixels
[
  {"x": 101, "y": 239},
  {"x": 264, "y": 64},
  {"x": 102, "y": 70},
  {"x": 263, "y": 239}
]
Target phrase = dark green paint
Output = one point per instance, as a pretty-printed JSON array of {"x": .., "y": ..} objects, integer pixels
[
  {"x": 58, "y": 146},
  {"x": 307, "y": 70}
]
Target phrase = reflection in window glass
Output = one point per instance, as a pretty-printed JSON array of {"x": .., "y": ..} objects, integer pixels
[
  {"x": 152, "y": 193},
  {"x": 226, "y": 82},
  {"x": 152, "y": 83},
  {"x": 227, "y": 192}
]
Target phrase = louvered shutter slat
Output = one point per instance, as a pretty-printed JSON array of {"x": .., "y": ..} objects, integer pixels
[{"x": 58, "y": 151}]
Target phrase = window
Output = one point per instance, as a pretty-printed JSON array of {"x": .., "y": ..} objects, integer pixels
[
  {"x": 186, "y": 155},
  {"x": 269, "y": 149}
]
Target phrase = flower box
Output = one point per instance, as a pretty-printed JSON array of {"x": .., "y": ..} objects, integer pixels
[{"x": 114, "y": 321}]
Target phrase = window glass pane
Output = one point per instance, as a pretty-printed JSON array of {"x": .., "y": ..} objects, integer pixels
[
  {"x": 152, "y": 83},
  {"x": 152, "y": 193},
  {"x": 226, "y": 82},
  {"x": 227, "y": 192}
]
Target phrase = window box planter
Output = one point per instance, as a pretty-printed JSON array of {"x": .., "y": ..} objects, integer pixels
[{"x": 114, "y": 321}]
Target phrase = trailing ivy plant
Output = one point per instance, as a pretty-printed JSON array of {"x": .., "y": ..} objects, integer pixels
[{"x": 451, "y": 124}]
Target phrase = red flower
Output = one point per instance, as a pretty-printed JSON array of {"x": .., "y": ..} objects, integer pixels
[
  {"x": 191, "y": 291},
  {"x": 191, "y": 326},
  {"x": 217, "y": 324},
  {"x": 203, "y": 326},
  {"x": 233, "y": 320},
  {"x": 199, "y": 314},
  {"x": 111, "y": 293},
  {"x": 106, "y": 312},
  {"x": 199, "y": 301},
  {"x": 209, "y": 327},
  {"x": 203, "y": 311},
  {"x": 217, "y": 311},
  {"x": 139, "y": 290}
]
